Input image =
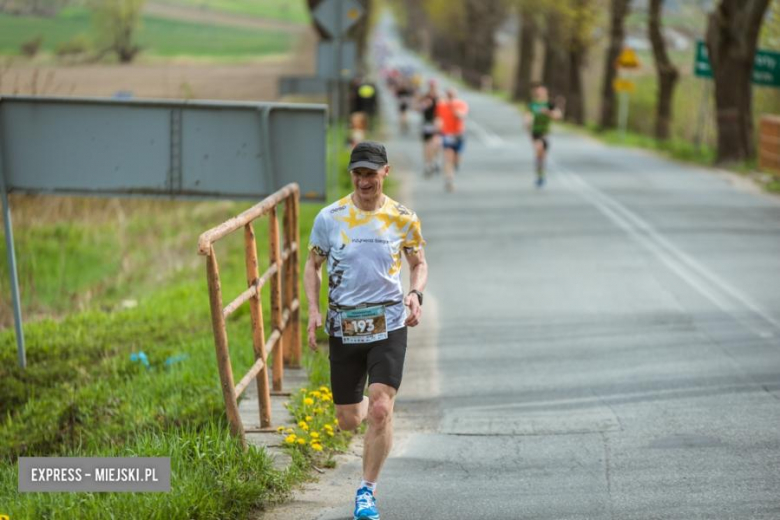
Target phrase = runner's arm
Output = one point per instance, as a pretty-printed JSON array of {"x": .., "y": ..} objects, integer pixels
[
  {"x": 312, "y": 281},
  {"x": 418, "y": 278}
]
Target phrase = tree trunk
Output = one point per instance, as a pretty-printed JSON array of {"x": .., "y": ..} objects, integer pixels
[
  {"x": 667, "y": 72},
  {"x": 575, "y": 100},
  {"x": 555, "y": 74},
  {"x": 525, "y": 55},
  {"x": 482, "y": 20},
  {"x": 618, "y": 12},
  {"x": 732, "y": 34}
]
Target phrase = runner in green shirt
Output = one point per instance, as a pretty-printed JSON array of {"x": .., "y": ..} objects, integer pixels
[{"x": 541, "y": 112}]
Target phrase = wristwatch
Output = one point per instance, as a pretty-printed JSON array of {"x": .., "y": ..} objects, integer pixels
[{"x": 419, "y": 295}]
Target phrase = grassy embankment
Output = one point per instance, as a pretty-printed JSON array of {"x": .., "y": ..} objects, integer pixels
[
  {"x": 159, "y": 37},
  {"x": 118, "y": 277}
]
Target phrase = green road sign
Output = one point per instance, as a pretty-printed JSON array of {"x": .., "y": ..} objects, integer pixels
[
  {"x": 701, "y": 67},
  {"x": 766, "y": 66}
]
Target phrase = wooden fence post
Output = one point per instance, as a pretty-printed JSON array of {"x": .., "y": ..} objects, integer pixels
[
  {"x": 276, "y": 298},
  {"x": 289, "y": 278},
  {"x": 221, "y": 344},
  {"x": 258, "y": 328},
  {"x": 295, "y": 359}
]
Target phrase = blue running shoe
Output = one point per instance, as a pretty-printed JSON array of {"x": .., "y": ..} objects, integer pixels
[
  {"x": 365, "y": 505},
  {"x": 540, "y": 181}
]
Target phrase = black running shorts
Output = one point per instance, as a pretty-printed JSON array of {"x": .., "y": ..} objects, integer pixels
[
  {"x": 382, "y": 361},
  {"x": 541, "y": 137}
]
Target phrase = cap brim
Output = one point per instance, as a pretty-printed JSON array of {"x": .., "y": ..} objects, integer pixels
[{"x": 365, "y": 164}]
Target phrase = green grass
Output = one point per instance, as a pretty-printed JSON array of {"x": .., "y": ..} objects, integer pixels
[
  {"x": 211, "y": 478},
  {"x": 157, "y": 36},
  {"x": 294, "y": 11},
  {"x": 81, "y": 394},
  {"x": 674, "y": 148}
]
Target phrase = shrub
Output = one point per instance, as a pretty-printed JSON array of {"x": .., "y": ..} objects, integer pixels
[
  {"x": 30, "y": 48},
  {"x": 79, "y": 44}
]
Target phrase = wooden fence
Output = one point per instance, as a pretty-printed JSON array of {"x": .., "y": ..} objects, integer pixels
[{"x": 285, "y": 338}]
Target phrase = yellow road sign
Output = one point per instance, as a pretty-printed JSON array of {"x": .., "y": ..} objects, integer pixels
[
  {"x": 628, "y": 59},
  {"x": 623, "y": 85}
]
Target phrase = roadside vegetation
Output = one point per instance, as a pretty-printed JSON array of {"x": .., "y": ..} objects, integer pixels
[
  {"x": 119, "y": 277},
  {"x": 572, "y": 47}
]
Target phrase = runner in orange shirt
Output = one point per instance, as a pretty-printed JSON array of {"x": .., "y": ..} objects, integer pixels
[{"x": 452, "y": 118}]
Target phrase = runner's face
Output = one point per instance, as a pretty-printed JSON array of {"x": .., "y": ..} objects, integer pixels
[
  {"x": 540, "y": 94},
  {"x": 368, "y": 183}
]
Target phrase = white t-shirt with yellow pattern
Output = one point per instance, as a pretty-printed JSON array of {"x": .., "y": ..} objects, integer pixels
[{"x": 364, "y": 255}]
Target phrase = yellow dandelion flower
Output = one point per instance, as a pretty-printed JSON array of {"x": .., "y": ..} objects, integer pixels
[
  {"x": 314, "y": 435},
  {"x": 324, "y": 389},
  {"x": 326, "y": 398},
  {"x": 280, "y": 429},
  {"x": 301, "y": 441},
  {"x": 316, "y": 447},
  {"x": 290, "y": 439},
  {"x": 328, "y": 427},
  {"x": 301, "y": 424},
  {"x": 308, "y": 401},
  {"x": 330, "y": 433},
  {"x": 315, "y": 394},
  {"x": 289, "y": 430},
  {"x": 308, "y": 418},
  {"x": 305, "y": 427}
]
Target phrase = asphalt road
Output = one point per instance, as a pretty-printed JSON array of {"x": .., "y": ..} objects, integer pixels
[{"x": 607, "y": 347}]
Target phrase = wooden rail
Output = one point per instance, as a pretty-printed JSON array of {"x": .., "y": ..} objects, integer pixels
[{"x": 282, "y": 273}]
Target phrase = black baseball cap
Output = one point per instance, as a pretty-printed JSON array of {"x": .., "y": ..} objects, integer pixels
[{"x": 368, "y": 154}]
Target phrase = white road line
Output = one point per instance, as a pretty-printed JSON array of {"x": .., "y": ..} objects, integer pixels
[
  {"x": 490, "y": 138},
  {"x": 709, "y": 285}
]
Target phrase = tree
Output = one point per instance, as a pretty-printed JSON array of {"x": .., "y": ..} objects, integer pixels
[
  {"x": 667, "y": 72},
  {"x": 526, "y": 42},
  {"x": 579, "y": 21},
  {"x": 770, "y": 31},
  {"x": 618, "y": 11},
  {"x": 555, "y": 73},
  {"x": 116, "y": 22},
  {"x": 463, "y": 35},
  {"x": 483, "y": 19},
  {"x": 732, "y": 34}
]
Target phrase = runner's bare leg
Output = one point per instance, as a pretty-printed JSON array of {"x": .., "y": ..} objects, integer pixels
[{"x": 379, "y": 436}]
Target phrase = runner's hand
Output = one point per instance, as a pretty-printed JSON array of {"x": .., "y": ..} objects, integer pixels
[
  {"x": 415, "y": 311},
  {"x": 315, "y": 321}
]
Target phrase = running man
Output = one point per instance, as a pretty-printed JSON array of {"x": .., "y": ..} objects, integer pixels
[
  {"x": 452, "y": 113},
  {"x": 430, "y": 131},
  {"x": 363, "y": 237},
  {"x": 541, "y": 111}
]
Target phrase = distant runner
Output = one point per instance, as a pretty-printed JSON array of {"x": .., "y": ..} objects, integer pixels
[
  {"x": 541, "y": 111},
  {"x": 363, "y": 238},
  {"x": 452, "y": 112},
  {"x": 430, "y": 131},
  {"x": 405, "y": 93}
]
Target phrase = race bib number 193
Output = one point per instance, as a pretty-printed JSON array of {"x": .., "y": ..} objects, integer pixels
[{"x": 363, "y": 325}]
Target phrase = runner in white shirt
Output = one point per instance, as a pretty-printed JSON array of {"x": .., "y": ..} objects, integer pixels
[{"x": 363, "y": 237}]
